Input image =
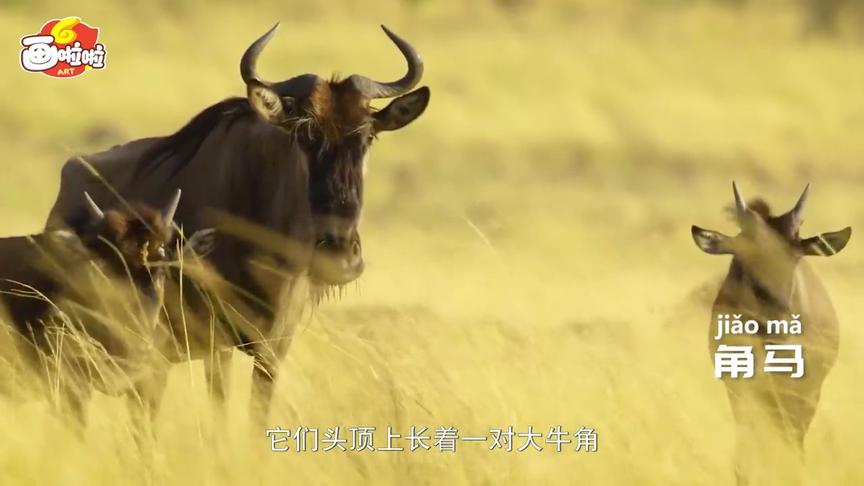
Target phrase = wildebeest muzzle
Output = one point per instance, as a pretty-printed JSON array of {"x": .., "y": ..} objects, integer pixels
[{"x": 338, "y": 256}]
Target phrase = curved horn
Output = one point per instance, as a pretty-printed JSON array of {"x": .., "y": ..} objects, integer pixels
[
  {"x": 740, "y": 205},
  {"x": 797, "y": 213},
  {"x": 250, "y": 57},
  {"x": 93, "y": 208},
  {"x": 376, "y": 89},
  {"x": 171, "y": 208}
]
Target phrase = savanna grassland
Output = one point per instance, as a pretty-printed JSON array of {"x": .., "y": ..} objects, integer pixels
[{"x": 528, "y": 239}]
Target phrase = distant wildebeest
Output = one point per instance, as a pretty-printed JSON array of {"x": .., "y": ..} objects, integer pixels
[
  {"x": 768, "y": 279},
  {"x": 102, "y": 284},
  {"x": 279, "y": 174}
]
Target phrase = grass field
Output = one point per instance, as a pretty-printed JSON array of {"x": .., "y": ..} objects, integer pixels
[{"x": 528, "y": 244}]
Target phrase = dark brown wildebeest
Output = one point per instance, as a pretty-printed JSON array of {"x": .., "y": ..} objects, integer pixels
[
  {"x": 769, "y": 280},
  {"x": 61, "y": 290},
  {"x": 279, "y": 174}
]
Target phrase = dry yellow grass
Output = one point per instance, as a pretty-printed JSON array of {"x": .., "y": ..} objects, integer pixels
[{"x": 528, "y": 247}]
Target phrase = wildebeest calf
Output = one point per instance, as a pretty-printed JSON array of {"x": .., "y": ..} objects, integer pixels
[
  {"x": 769, "y": 280},
  {"x": 65, "y": 292}
]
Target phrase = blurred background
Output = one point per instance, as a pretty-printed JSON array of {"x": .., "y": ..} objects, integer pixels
[{"x": 527, "y": 239}]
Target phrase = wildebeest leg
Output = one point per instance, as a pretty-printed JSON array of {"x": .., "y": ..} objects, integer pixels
[
  {"x": 198, "y": 322},
  {"x": 270, "y": 353}
]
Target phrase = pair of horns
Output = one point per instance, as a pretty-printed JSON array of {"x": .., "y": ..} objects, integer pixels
[
  {"x": 167, "y": 214},
  {"x": 796, "y": 213},
  {"x": 367, "y": 87}
]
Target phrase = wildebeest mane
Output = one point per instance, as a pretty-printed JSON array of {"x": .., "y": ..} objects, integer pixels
[
  {"x": 182, "y": 145},
  {"x": 757, "y": 205},
  {"x": 760, "y": 207},
  {"x": 333, "y": 108}
]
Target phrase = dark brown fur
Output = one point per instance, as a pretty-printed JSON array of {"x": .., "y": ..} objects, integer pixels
[
  {"x": 140, "y": 235},
  {"x": 43, "y": 272},
  {"x": 288, "y": 160},
  {"x": 52, "y": 264}
]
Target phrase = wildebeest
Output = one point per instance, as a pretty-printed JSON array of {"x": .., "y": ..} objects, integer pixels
[
  {"x": 769, "y": 280},
  {"x": 279, "y": 174},
  {"x": 61, "y": 290}
]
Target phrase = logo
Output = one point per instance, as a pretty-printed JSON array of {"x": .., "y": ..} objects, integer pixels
[{"x": 63, "y": 48}]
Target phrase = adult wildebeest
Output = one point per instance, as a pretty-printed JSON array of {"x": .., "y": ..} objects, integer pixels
[
  {"x": 769, "y": 280},
  {"x": 279, "y": 174},
  {"x": 63, "y": 290}
]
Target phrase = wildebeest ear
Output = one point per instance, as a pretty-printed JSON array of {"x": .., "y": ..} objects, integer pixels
[
  {"x": 402, "y": 111},
  {"x": 201, "y": 243},
  {"x": 827, "y": 244},
  {"x": 711, "y": 242},
  {"x": 267, "y": 102}
]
